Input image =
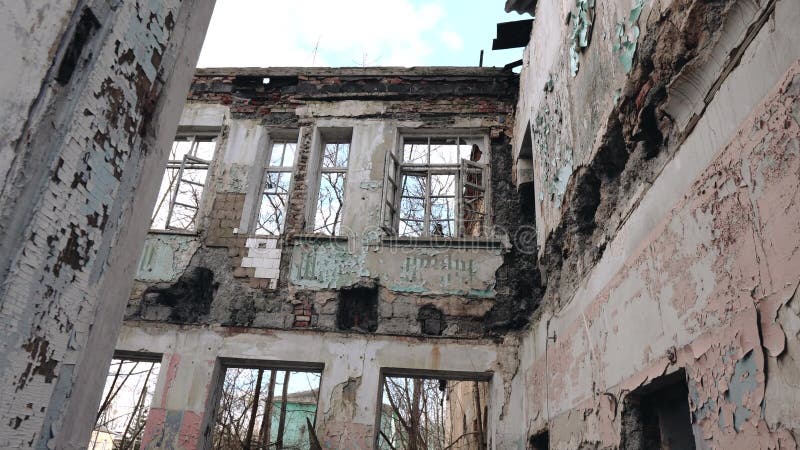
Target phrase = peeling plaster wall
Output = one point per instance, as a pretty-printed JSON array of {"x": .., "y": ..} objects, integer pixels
[
  {"x": 431, "y": 271},
  {"x": 665, "y": 167},
  {"x": 34, "y": 53},
  {"x": 698, "y": 266},
  {"x": 79, "y": 157}
]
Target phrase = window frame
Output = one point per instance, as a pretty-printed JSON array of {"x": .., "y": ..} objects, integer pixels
[
  {"x": 148, "y": 403},
  {"x": 195, "y": 163},
  {"x": 324, "y": 141},
  {"x": 394, "y": 181},
  {"x": 486, "y": 376},
  {"x": 223, "y": 363},
  {"x": 267, "y": 169}
]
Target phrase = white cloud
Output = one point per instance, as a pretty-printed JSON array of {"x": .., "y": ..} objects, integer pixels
[
  {"x": 345, "y": 32},
  {"x": 452, "y": 40}
]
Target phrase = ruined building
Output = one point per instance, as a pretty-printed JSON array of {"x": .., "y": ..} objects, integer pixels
[{"x": 598, "y": 252}]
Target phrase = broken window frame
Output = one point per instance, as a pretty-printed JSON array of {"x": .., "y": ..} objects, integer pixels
[
  {"x": 174, "y": 174},
  {"x": 340, "y": 170},
  {"x": 466, "y": 182},
  {"x": 257, "y": 432},
  {"x": 265, "y": 193},
  {"x": 143, "y": 403}
]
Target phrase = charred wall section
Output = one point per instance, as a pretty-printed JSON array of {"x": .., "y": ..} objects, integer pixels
[
  {"x": 520, "y": 286},
  {"x": 599, "y": 182}
]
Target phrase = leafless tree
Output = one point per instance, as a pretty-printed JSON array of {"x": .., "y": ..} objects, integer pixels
[
  {"x": 423, "y": 412},
  {"x": 126, "y": 403},
  {"x": 248, "y": 406}
]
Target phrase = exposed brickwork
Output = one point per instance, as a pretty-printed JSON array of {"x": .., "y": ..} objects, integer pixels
[
  {"x": 223, "y": 218},
  {"x": 295, "y": 216},
  {"x": 476, "y": 93},
  {"x": 304, "y": 314}
]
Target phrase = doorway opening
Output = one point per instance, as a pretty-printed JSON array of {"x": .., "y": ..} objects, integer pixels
[{"x": 657, "y": 415}]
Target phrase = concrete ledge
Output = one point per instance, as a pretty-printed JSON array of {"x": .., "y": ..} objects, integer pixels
[
  {"x": 175, "y": 232},
  {"x": 318, "y": 237},
  {"x": 487, "y": 243}
]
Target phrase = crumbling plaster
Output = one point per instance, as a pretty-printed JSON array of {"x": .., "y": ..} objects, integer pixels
[
  {"x": 34, "y": 54},
  {"x": 711, "y": 132},
  {"x": 474, "y": 286},
  {"x": 701, "y": 284}
]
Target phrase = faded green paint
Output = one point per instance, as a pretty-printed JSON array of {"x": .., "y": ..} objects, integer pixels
[
  {"x": 370, "y": 185},
  {"x": 481, "y": 293},
  {"x": 437, "y": 271},
  {"x": 326, "y": 265},
  {"x": 408, "y": 288},
  {"x": 166, "y": 256},
  {"x": 627, "y": 36},
  {"x": 559, "y": 183},
  {"x": 742, "y": 384},
  {"x": 322, "y": 264},
  {"x": 582, "y": 24}
]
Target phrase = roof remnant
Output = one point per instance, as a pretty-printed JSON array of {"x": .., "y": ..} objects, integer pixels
[{"x": 513, "y": 34}]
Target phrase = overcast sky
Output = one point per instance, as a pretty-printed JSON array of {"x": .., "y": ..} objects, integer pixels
[{"x": 337, "y": 33}]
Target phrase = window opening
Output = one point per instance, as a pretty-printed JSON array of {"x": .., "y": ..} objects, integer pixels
[
  {"x": 436, "y": 187},
  {"x": 128, "y": 393},
  {"x": 657, "y": 415},
  {"x": 275, "y": 192},
  {"x": 183, "y": 183},
  {"x": 357, "y": 308},
  {"x": 540, "y": 440},
  {"x": 330, "y": 199},
  {"x": 433, "y": 413},
  {"x": 262, "y": 408}
]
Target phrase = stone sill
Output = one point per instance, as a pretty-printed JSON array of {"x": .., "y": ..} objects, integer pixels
[
  {"x": 469, "y": 243},
  {"x": 174, "y": 232},
  {"x": 310, "y": 237}
]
